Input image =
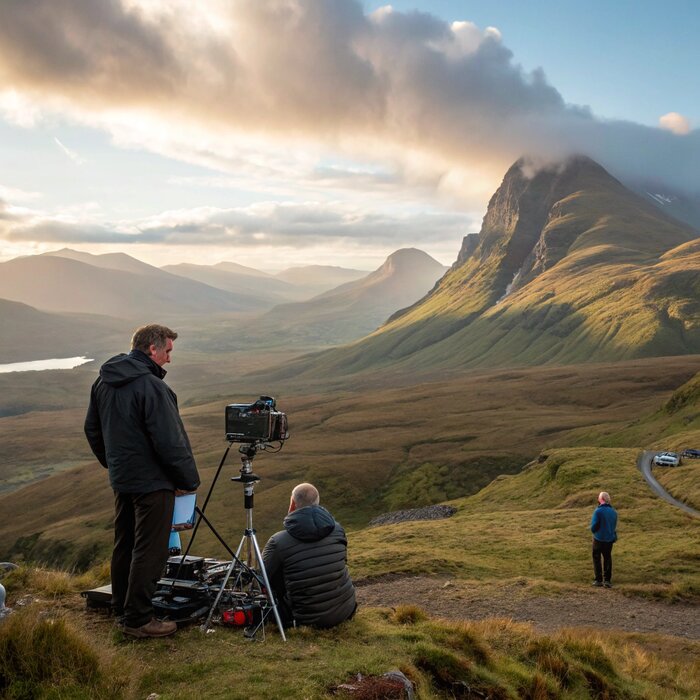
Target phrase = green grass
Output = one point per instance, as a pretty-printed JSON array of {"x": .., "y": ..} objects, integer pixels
[
  {"x": 613, "y": 279},
  {"x": 535, "y": 525},
  {"x": 48, "y": 656},
  {"x": 370, "y": 450},
  {"x": 682, "y": 482},
  {"x": 45, "y": 656}
]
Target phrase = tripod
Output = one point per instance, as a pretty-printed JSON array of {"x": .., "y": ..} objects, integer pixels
[{"x": 246, "y": 569}]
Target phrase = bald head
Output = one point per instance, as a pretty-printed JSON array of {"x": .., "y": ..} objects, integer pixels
[
  {"x": 304, "y": 495},
  {"x": 604, "y": 497}
]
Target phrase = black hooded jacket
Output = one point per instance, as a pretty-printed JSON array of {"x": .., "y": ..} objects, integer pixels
[
  {"x": 306, "y": 565},
  {"x": 134, "y": 428}
]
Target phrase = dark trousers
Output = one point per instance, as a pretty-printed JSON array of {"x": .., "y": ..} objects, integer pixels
[
  {"x": 142, "y": 523},
  {"x": 603, "y": 571}
]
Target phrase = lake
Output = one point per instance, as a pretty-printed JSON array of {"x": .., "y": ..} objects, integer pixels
[{"x": 41, "y": 365}]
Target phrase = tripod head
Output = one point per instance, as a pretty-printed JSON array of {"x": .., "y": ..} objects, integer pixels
[{"x": 248, "y": 452}]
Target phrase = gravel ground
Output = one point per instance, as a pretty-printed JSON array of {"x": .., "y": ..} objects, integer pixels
[{"x": 595, "y": 607}]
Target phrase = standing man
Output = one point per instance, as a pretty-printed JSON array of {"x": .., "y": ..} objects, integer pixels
[
  {"x": 604, "y": 529},
  {"x": 306, "y": 564},
  {"x": 134, "y": 428}
]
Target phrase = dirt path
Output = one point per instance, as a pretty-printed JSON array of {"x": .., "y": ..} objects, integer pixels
[{"x": 595, "y": 607}]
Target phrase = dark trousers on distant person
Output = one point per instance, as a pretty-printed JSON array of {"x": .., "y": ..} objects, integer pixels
[
  {"x": 603, "y": 570},
  {"x": 142, "y": 523}
]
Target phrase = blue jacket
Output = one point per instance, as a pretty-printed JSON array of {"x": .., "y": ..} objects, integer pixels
[{"x": 604, "y": 523}]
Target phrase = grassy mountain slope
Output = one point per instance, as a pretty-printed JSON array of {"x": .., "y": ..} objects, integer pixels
[
  {"x": 535, "y": 525},
  {"x": 29, "y": 334},
  {"x": 259, "y": 288},
  {"x": 369, "y": 451},
  {"x": 570, "y": 266},
  {"x": 316, "y": 279},
  {"x": 348, "y": 311},
  {"x": 674, "y": 425},
  {"x": 69, "y": 285}
]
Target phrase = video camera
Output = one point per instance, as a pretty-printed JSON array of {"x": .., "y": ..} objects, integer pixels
[{"x": 256, "y": 422}]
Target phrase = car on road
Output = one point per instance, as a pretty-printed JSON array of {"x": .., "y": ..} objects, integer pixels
[
  {"x": 667, "y": 459},
  {"x": 691, "y": 454}
]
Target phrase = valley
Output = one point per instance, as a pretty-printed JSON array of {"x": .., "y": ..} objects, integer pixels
[
  {"x": 371, "y": 445},
  {"x": 513, "y": 386}
]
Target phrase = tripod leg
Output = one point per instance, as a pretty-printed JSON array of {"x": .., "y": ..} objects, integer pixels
[
  {"x": 270, "y": 595},
  {"x": 215, "y": 604}
]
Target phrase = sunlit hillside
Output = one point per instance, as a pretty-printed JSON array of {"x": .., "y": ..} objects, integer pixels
[
  {"x": 370, "y": 449},
  {"x": 569, "y": 267}
]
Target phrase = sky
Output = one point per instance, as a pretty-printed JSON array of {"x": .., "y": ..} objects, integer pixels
[{"x": 275, "y": 133}]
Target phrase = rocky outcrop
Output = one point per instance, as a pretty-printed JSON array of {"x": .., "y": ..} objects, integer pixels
[{"x": 426, "y": 513}]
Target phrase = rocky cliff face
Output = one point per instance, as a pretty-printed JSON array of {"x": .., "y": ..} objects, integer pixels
[{"x": 569, "y": 266}]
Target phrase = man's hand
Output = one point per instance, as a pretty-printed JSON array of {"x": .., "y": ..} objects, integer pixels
[{"x": 181, "y": 492}]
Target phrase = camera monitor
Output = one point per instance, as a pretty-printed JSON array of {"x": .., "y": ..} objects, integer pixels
[{"x": 256, "y": 422}]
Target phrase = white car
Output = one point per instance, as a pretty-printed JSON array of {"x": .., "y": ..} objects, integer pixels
[{"x": 667, "y": 459}]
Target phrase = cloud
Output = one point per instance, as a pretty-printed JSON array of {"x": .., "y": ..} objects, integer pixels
[
  {"x": 675, "y": 123},
  {"x": 72, "y": 155},
  {"x": 197, "y": 80},
  {"x": 16, "y": 194},
  {"x": 270, "y": 224}
]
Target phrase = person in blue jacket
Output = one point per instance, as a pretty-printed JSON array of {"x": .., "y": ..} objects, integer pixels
[{"x": 604, "y": 529}]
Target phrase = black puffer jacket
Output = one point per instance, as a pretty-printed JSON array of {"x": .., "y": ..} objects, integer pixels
[
  {"x": 134, "y": 428},
  {"x": 305, "y": 563}
]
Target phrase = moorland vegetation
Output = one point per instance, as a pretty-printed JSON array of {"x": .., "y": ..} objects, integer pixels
[{"x": 575, "y": 311}]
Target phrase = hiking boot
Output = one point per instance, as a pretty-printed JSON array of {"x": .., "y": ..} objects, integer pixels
[
  {"x": 607, "y": 584},
  {"x": 597, "y": 584},
  {"x": 154, "y": 628}
]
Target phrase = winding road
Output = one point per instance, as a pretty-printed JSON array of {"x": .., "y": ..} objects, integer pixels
[{"x": 644, "y": 463}]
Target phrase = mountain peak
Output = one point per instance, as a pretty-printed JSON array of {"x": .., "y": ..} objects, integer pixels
[
  {"x": 569, "y": 266},
  {"x": 408, "y": 259}
]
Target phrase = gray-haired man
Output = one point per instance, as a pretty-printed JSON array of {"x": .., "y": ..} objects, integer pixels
[
  {"x": 604, "y": 529},
  {"x": 306, "y": 564}
]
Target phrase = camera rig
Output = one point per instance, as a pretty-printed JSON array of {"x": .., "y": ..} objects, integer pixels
[{"x": 235, "y": 592}]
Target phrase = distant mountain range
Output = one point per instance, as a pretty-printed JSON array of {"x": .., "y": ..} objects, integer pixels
[
  {"x": 681, "y": 205},
  {"x": 570, "y": 266},
  {"x": 293, "y": 284},
  {"x": 133, "y": 290},
  {"x": 115, "y": 284},
  {"x": 349, "y": 311},
  {"x": 40, "y": 292}
]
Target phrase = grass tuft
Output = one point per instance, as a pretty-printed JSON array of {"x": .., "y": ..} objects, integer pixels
[
  {"x": 40, "y": 657},
  {"x": 455, "y": 675},
  {"x": 549, "y": 659},
  {"x": 408, "y": 615}
]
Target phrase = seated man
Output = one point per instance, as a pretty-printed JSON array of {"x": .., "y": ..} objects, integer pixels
[{"x": 306, "y": 564}]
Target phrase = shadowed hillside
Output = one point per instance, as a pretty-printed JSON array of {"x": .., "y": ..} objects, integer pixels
[
  {"x": 238, "y": 279},
  {"x": 317, "y": 279},
  {"x": 28, "y": 334},
  {"x": 569, "y": 267},
  {"x": 346, "y": 312},
  {"x": 143, "y": 291}
]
